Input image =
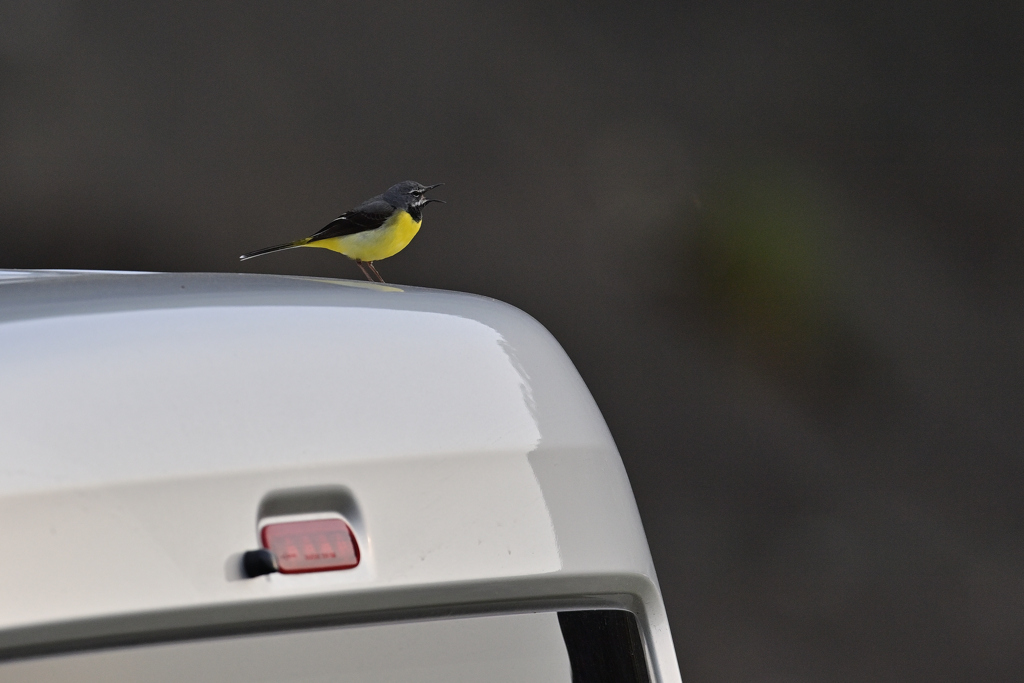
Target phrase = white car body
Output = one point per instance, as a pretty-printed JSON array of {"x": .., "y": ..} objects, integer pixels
[{"x": 150, "y": 424}]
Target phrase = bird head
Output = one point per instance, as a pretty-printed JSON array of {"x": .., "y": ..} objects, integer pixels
[{"x": 410, "y": 195}]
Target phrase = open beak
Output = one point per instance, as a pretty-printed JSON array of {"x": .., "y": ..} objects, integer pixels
[{"x": 427, "y": 200}]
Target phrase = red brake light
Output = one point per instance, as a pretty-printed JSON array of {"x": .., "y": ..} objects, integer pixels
[{"x": 315, "y": 545}]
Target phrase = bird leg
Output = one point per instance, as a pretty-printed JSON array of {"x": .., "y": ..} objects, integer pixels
[
  {"x": 366, "y": 273},
  {"x": 379, "y": 278}
]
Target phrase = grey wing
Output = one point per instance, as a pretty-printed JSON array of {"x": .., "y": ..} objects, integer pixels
[{"x": 369, "y": 215}]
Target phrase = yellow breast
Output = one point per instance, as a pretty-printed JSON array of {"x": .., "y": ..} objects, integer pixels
[{"x": 374, "y": 245}]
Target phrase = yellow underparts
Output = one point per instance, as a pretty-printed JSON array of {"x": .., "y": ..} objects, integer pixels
[{"x": 374, "y": 245}]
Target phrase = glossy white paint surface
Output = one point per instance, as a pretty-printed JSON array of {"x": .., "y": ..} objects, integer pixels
[
  {"x": 144, "y": 417},
  {"x": 498, "y": 649},
  {"x": 193, "y": 391}
]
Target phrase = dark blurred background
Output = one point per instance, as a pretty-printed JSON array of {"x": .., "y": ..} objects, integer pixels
[{"x": 781, "y": 241}]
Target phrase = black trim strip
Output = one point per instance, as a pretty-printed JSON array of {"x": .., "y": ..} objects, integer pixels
[{"x": 604, "y": 646}]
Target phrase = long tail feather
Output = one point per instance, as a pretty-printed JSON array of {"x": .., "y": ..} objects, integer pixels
[{"x": 270, "y": 250}]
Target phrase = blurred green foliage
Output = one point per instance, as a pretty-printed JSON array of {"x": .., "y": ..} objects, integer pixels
[{"x": 755, "y": 260}]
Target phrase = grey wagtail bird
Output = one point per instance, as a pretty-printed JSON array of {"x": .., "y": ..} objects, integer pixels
[{"x": 376, "y": 229}]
